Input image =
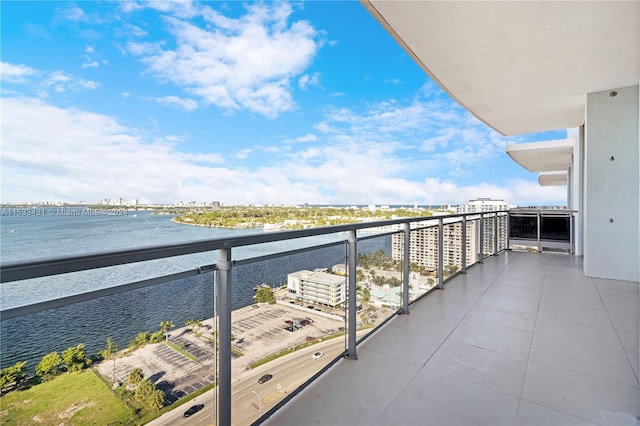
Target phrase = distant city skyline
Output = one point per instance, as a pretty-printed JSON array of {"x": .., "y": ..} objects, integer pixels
[{"x": 246, "y": 103}]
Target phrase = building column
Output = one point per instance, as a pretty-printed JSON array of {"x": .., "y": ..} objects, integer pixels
[{"x": 612, "y": 185}]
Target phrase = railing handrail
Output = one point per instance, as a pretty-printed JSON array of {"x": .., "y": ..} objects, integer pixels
[{"x": 37, "y": 268}]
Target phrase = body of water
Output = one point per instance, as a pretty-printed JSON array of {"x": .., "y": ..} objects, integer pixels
[{"x": 57, "y": 232}]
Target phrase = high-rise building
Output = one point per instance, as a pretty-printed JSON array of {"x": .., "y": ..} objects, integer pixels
[
  {"x": 483, "y": 205},
  {"x": 423, "y": 245}
]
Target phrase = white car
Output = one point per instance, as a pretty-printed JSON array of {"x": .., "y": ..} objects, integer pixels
[{"x": 317, "y": 355}]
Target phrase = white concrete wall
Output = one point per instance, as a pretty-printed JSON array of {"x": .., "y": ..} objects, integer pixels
[
  {"x": 575, "y": 187},
  {"x": 612, "y": 185}
]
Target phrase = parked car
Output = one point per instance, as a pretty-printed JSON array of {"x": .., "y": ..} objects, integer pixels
[
  {"x": 311, "y": 307},
  {"x": 309, "y": 319},
  {"x": 317, "y": 355},
  {"x": 194, "y": 409},
  {"x": 288, "y": 322},
  {"x": 265, "y": 378}
]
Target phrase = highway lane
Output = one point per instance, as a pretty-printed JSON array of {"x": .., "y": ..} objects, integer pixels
[{"x": 251, "y": 399}]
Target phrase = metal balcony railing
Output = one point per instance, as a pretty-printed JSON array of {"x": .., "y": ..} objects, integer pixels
[
  {"x": 544, "y": 229},
  {"x": 475, "y": 236}
]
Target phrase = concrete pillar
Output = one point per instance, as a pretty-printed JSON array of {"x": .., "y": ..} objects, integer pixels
[{"x": 612, "y": 185}]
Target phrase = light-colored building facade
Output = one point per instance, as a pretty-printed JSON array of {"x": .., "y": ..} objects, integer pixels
[
  {"x": 483, "y": 205},
  {"x": 317, "y": 287},
  {"x": 423, "y": 245}
]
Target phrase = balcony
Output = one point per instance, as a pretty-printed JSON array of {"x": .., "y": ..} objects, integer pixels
[
  {"x": 521, "y": 339},
  {"x": 518, "y": 338}
]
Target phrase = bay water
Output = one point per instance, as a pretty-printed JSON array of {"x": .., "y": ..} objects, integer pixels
[{"x": 54, "y": 232}]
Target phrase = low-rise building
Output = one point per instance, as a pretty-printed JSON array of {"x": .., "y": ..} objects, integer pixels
[{"x": 317, "y": 287}]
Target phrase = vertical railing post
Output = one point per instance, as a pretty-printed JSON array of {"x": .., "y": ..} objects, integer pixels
[
  {"x": 538, "y": 223},
  {"x": 224, "y": 337},
  {"x": 495, "y": 234},
  {"x": 406, "y": 268},
  {"x": 351, "y": 292},
  {"x": 463, "y": 270},
  {"x": 440, "y": 254},
  {"x": 481, "y": 260},
  {"x": 571, "y": 248},
  {"x": 507, "y": 230}
]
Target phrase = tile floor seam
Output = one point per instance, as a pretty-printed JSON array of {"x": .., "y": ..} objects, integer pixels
[
  {"x": 555, "y": 409},
  {"x": 437, "y": 349},
  {"x": 533, "y": 333},
  {"x": 615, "y": 330}
]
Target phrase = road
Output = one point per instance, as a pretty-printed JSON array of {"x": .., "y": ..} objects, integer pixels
[{"x": 249, "y": 398}]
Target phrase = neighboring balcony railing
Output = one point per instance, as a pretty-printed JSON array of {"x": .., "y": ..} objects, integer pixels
[
  {"x": 418, "y": 256},
  {"x": 543, "y": 229}
]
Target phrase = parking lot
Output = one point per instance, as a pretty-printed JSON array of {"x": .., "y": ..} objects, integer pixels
[{"x": 258, "y": 331}]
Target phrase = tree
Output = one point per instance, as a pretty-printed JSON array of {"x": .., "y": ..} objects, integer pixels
[
  {"x": 449, "y": 270},
  {"x": 156, "y": 399},
  {"x": 193, "y": 323},
  {"x": 109, "y": 352},
  {"x": 144, "y": 390},
  {"x": 135, "y": 376},
  {"x": 49, "y": 367},
  {"x": 369, "y": 315},
  {"x": 156, "y": 337},
  {"x": 75, "y": 358},
  {"x": 265, "y": 295},
  {"x": 165, "y": 326},
  {"x": 12, "y": 374}
]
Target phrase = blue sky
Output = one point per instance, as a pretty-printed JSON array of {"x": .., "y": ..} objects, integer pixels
[{"x": 237, "y": 102}]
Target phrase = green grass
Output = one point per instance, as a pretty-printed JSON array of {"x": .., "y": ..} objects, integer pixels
[
  {"x": 73, "y": 398},
  {"x": 182, "y": 351}
]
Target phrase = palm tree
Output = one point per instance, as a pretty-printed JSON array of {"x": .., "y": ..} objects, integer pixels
[
  {"x": 164, "y": 327},
  {"x": 110, "y": 353}
]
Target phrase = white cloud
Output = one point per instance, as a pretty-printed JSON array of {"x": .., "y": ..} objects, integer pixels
[
  {"x": 183, "y": 103},
  {"x": 83, "y": 155},
  {"x": 242, "y": 154},
  {"x": 15, "y": 73},
  {"x": 90, "y": 63},
  {"x": 307, "y": 138},
  {"x": 42, "y": 82},
  {"x": 309, "y": 80},
  {"x": 245, "y": 63},
  {"x": 71, "y": 13},
  {"x": 179, "y": 8}
]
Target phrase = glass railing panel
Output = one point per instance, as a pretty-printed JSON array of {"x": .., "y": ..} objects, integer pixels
[
  {"x": 503, "y": 220},
  {"x": 472, "y": 248},
  {"x": 452, "y": 250},
  {"x": 288, "y": 322},
  {"x": 488, "y": 227},
  {"x": 379, "y": 283},
  {"x": 555, "y": 228},
  {"x": 164, "y": 330},
  {"x": 423, "y": 256}
]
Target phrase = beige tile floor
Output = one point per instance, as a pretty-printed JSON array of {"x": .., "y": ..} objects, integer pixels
[{"x": 523, "y": 339}]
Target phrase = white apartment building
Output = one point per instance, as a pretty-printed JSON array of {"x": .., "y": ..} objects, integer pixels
[
  {"x": 483, "y": 205},
  {"x": 317, "y": 287},
  {"x": 423, "y": 245}
]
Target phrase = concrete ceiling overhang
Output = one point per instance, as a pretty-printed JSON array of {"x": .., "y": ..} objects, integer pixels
[
  {"x": 547, "y": 156},
  {"x": 553, "y": 178},
  {"x": 519, "y": 66}
]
